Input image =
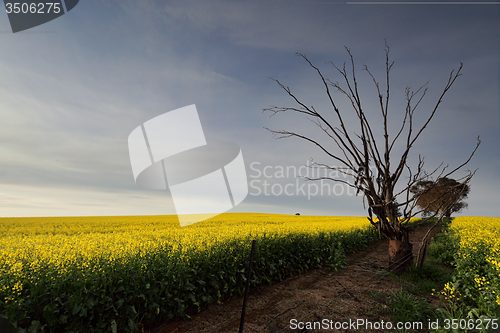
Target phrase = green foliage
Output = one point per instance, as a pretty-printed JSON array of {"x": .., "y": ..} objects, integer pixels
[
  {"x": 406, "y": 307},
  {"x": 476, "y": 278},
  {"x": 426, "y": 279},
  {"x": 444, "y": 246}
]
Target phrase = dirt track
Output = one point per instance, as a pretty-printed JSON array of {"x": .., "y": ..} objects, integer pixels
[{"x": 349, "y": 294}]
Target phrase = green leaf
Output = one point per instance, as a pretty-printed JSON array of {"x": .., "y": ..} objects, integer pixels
[
  {"x": 35, "y": 324},
  {"x": 130, "y": 311},
  {"x": 63, "y": 319},
  {"x": 119, "y": 303},
  {"x": 133, "y": 326},
  {"x": 90, "y": 303},
  {"x": 76, "y": 309}
]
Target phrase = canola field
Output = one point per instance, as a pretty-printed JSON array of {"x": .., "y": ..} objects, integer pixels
[
  {"x": 94, "y": 274},
  {"x": 476, "y": 285}
]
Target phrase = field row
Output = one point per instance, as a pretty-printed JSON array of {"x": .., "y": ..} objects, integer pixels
[
  {"x": 94, "y": 274},
  {"x": 475, "y": 289}
]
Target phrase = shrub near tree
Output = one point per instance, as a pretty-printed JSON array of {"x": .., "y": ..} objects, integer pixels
[{"x": 445, "y": 196}]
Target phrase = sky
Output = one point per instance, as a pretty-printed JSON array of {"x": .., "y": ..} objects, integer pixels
[{"x": 73, "y": 89}]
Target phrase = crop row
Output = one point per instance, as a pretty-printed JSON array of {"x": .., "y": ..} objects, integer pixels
[
  {"x": 475, "y": 289},
  {"x": 94, "y": 274}
]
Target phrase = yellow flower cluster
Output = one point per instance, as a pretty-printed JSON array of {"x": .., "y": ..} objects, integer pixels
[
  {"x": 449, "y": 292},
  {"x": 29, "y": 246},
  {"x": 480, "y": 239},
  {"x": 474, "y": 230}
]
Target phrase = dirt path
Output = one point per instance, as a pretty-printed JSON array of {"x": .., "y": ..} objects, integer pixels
[{"x": 355, "y": 292}]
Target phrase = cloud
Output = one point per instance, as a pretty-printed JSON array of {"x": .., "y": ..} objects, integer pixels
[{"x": 68, "y": 100}]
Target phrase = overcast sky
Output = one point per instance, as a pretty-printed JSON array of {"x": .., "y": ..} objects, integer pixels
[{"x": 73, "y": 89}]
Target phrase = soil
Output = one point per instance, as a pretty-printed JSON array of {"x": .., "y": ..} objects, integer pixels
[{"x": 357, "y": 292}]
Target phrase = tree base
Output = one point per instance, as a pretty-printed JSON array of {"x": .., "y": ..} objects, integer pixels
[{"x": 400, "y": 256}]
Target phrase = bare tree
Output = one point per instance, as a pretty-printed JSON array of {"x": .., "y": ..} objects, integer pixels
[{"x": 366, "y": 160}]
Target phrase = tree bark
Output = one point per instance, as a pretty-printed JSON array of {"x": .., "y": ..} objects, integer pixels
[{"x": 400, "y": 256}]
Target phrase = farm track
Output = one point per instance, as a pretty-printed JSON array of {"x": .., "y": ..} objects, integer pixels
[{"x": 355, "y": 292}]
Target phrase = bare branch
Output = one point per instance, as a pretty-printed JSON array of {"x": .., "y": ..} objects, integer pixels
[
  {"x": 285, "y": 134},
  {"x": 470, "y": 157}
]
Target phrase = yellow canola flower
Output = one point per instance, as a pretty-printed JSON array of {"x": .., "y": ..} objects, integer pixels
[
  {"x": 480, "y": 240},
  {"x": 28, "y": 246}
]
